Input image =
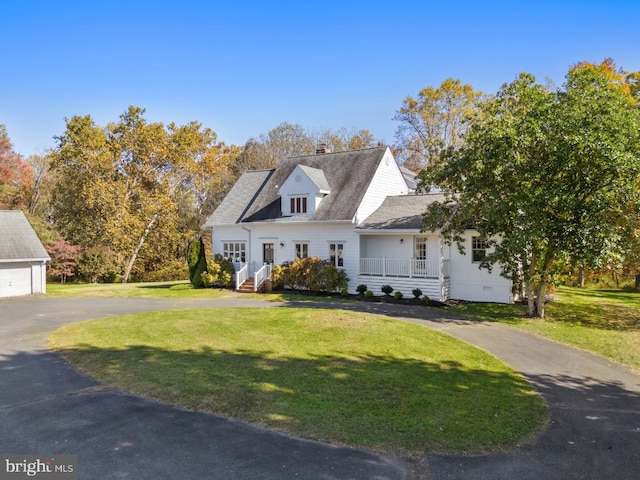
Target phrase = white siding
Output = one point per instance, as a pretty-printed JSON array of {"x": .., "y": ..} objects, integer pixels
[
  {"x": 429, "y": 286},
  {"x": 317, "y": 235},
  {"x": 468, "y": 282},
  {"x": 387, "y": 181},
  {"x": 39, "y": 278},
  {"x": 298, "y": 184}
]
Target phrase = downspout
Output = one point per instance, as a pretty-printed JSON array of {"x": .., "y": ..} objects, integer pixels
[{"x": 248, "y": 243}]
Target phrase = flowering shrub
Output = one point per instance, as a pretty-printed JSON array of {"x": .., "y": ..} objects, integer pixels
[{"x": 310, "y": 273}]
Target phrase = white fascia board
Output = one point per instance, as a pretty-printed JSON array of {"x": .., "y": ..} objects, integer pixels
[{"x": 24, "y": 260}]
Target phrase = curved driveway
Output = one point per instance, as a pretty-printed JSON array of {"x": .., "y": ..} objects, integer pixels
[{"x": 47, "y": 407}]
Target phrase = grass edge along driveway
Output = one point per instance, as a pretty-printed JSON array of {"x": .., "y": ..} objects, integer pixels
[{"x": 343, "y": 377}]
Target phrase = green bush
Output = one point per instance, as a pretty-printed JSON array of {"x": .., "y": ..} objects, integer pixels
[
  {"x": 174, "y": 270},
  {"x": 398, "y": 295},
  {"x": 416, "y": 292},
  {"x": 219, "y": 273},
  {"x": 386, "y": 289},
  {"x": 226, "y": 278},
  {"x": 344, "y": 292},
  {"x": 426, "y": 299},
  {"x": 98, "y": 264},
  {"x": 197, "y": 263},
  {"x": 361, "y": 289},
  {"x": 368, "y": 294},
  {"x": 277, "y": 276}
]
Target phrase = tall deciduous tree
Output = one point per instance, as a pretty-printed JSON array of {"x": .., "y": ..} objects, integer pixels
[
  {"x": 544, "y": 177},
  {"x": 433, "y": 121},
  {"x": 120, "y": 185}
]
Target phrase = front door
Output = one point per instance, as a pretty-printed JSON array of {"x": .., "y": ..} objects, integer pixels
[{"x": 268, "y": 253}]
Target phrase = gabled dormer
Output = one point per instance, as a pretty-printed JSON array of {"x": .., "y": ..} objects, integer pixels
[{"x": 303, "y": 190}]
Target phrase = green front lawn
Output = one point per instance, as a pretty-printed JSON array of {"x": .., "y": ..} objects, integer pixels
[
  {"x": 176, "y": 289},
  {"x": 343, "y": 377},
  {"x": 606, "y": 322}
]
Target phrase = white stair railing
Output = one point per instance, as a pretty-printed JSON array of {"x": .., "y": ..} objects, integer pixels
[{"x": 242, "y": 276}]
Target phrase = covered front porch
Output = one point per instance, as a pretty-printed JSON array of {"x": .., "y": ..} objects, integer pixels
[{"x": 406, "y": 261}]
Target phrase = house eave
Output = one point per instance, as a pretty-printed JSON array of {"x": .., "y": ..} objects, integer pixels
[
  {"x": 22, "y": 260},
  {"x": 398, "y": 231}
]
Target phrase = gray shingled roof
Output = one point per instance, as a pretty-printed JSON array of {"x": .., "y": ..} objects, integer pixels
[
  {"x": 347, "y": 175},
  {"x": 234, "y": 206},
  {"x": 403, "y": 212},
  {"x": 18, "y": 241},
  {"x": 317, "y": 176}
]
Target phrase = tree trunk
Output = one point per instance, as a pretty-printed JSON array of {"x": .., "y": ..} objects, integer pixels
[
  {"x": 637, "y": 287},
  {"x": 540, "y": 299},
  {"x": 581, "y": 277},
  {"x": 136, "y": 250},
  {"x": 531, "y": 301}
]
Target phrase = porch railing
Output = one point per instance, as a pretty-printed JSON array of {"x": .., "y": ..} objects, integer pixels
[
  {"x": 403, "y": 267},
  {"x": 264, "y": 273},
  {"x": 242, "y": 275}
]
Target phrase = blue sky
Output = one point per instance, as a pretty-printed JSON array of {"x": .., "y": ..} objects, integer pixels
[{"x": 241, "y": 68}]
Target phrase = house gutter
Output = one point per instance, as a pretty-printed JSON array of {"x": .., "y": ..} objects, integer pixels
[{"x": 404, "y": 231}]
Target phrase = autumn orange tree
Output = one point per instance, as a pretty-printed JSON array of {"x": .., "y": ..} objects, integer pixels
[{"x": 15, "y": 176}]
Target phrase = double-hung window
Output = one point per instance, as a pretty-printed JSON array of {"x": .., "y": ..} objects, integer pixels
[
  {"x": 478, "y": 249},
  {"x": 420, "y": 248},
  {"x": 336, "y": 254},
  {"x": 302, "y": 250}
]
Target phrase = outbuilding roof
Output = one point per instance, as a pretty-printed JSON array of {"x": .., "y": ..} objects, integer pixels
[{"x": 18, "y": 241}]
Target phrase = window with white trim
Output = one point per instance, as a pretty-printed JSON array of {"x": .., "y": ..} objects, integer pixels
[
  {"x": 302, "y": 250},
  {"x": 478, "y": 249},
  {"x": 336, "y": 254},
  {"x": 420, "y": 250},
  {"x": 298, "y": 204},
  {"x": 235, "y": 251}
]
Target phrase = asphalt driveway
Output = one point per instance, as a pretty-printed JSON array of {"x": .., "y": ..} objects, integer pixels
[{"x": 47, "y": 407}]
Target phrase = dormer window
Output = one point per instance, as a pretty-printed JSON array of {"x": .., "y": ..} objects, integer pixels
[
  {"x": 303, "y": 191},
  {"x": 298, "y": 205}
]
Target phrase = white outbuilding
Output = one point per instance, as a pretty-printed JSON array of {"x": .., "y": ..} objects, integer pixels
[{"x": 23, "y": 258}]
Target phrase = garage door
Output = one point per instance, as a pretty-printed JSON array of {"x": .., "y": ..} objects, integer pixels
[{"x": 15, "y": 280}]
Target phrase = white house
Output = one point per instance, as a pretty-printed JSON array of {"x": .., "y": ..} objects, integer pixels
[
  {"x": 357, "y": 209},
  {"x": 23, "y": 259}
]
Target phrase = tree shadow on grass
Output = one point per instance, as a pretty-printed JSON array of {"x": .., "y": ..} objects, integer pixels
[
  {"x": 602, "y": 316},
  {"x": 404, "y": 405}
]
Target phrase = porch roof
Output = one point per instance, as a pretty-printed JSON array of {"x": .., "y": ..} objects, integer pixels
[{"x": 403, "y": 212}]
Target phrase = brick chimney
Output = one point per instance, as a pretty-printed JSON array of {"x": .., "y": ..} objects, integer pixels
[{"x": 322, "y": 148}]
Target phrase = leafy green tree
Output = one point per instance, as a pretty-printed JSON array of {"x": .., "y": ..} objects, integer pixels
[
  {"x": 545, "y": 177},
  {"x": 433, "y": 121}
]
